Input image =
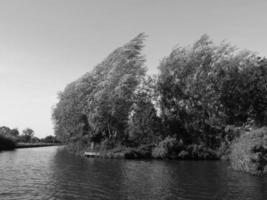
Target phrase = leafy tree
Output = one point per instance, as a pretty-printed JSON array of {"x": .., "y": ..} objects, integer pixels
[
  {"x": 27, "y": 135},
  {"x": 67, "y": 114},
  {"x": 201, "y": 89},
  {"x": 244, "y": 94},
  {"x": 98, "y": 104},
  {"x": 145, "y": 126},
  {"x": 5, "y": 131},
  {"x": 49, "y": 139},
  {"x": 191, "y": 83},
  {"x": 14, "y": 132},
  {"x": 9, "y": 133}
]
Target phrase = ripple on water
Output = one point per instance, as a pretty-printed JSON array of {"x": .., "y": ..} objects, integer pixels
[{"x": 51, "y": 173}]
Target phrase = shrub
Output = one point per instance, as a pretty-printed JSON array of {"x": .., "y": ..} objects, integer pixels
[
  {"x": 229, "y": 134},
  {"x": 78, "y": 147},
  {"x": 143, "y": 151},
  {"x": 200, "y": 152},
  {"x": 165, "y": 148},
  {"x": 184, "y": 154},
  {"x": 249, "y": 152},
  {"x": 171, "y": 148},
  {"x": 6, "y": 143}
]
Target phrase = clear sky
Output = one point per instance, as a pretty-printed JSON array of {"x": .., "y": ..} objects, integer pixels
[{"x": 46, "y": 44}]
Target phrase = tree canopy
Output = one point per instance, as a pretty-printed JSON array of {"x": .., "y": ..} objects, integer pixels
[
  {"x": 201, "y": 90},
  {"x": 98, "y": 104}
]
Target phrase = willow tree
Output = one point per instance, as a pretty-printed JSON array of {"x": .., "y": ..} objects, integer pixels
[
  {"x": 193, "y": 87},
  {"x": 97, "y": 106}
]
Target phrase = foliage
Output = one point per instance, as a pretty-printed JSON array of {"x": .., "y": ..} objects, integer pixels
[
  {"x": 173, "y": 149},
  {"x": 229, "y": 134},
  {"x": 6, "y": 143},
  {"x": 50, "y": 139},
  {"x": 203, "y": 88},
  {"x": 27, "y": 135},
  {"x": 165, "y": 148},
  {"x": 198, "y": 152},
  {"x": 204, "y": 97},
  {"x": 249, "y": 152},
  {"x": 9, "y": 133},
  {"x": 7, "y": 138},
  {"x": 99, "y": 103},
  {"x": 142, "y": 152},
  {"x": 144, "y": 126},
  {"x": 244, "y": 93}
]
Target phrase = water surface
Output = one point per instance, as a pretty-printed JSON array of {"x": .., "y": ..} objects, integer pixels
[{"x": 50, "y": 173}]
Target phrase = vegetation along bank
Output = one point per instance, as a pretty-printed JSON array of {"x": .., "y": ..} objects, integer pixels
[
  {"x": 11, "y": 139},
  {"x": 206, "y": 102}
]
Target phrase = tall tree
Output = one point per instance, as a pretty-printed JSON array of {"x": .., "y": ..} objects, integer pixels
[
  {"x": 98, "y": 104},
  {"x": 27, "y": 134},
  {"x": 190, "y": 84}
]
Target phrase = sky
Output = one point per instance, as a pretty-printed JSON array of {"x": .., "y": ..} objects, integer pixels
[{"x": 45, "y": 44}]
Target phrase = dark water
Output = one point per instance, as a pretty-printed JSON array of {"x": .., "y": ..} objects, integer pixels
[{"x": 51, "y": 173}]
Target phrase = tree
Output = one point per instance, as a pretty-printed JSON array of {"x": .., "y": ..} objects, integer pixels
[
  {"x": 49, "y": 139},
  {"x": 244, "y": 94},
  {"x": 191, "y": 84},
  {"x": 67, "y": 114},
  {"x": 5, "y": 131},
  {"x": 144, "y": 125},
  {"x": 14, "y": 132},
  {"x": 97, "y": 105},
  {"x": 27, "y": 135}
]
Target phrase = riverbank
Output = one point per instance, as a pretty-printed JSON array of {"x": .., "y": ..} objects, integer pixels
[
  {"x": 246, "y": 150},
  {"x": 5, "y": 147},
  {"x": 32, "y": 145},
  {"x": 191, "y": 152},
  {"x": 143, "y": 152}
]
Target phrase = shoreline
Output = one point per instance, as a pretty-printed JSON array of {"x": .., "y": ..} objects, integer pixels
[
  {"x": 143, "y": 152},
  {"x": 27, "y": 145},
  {"x": 32, "y": 145},
  {"x": 136, "y": 156}
]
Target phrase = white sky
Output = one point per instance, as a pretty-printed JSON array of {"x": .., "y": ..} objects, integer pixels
[{"x": 46, "y": 44}]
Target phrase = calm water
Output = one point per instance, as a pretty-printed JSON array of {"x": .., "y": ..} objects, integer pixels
[{"x": 51, "y": 173}]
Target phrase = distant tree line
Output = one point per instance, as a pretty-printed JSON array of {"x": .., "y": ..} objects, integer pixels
[
  {"x": 204, "y": 93},
  {"x": 9, "y": 137}
]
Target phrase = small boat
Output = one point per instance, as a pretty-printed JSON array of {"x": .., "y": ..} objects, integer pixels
[{"x": 92, "y": 154}]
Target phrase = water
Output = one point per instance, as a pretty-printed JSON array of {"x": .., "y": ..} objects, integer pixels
[{"x": 50, "y": 173}]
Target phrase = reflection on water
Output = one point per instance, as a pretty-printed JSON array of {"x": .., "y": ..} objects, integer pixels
[{"x": 53, "y": 174}]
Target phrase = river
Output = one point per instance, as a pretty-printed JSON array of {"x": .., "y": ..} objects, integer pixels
[{"x": 51, "y": 173}]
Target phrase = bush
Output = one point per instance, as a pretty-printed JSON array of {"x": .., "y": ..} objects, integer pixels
[
  {"x": 142, "y": 152},
  {"x": 6, "y": 143},
  {"x": 171, "y": 148},
  {"x": 77, "y": 147},
  {"x": 229, "y": 134},
  {"x": 165, "y": 148},
  {"x": 199, "y": 152},
  {"x": 249, "y": 152}
]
